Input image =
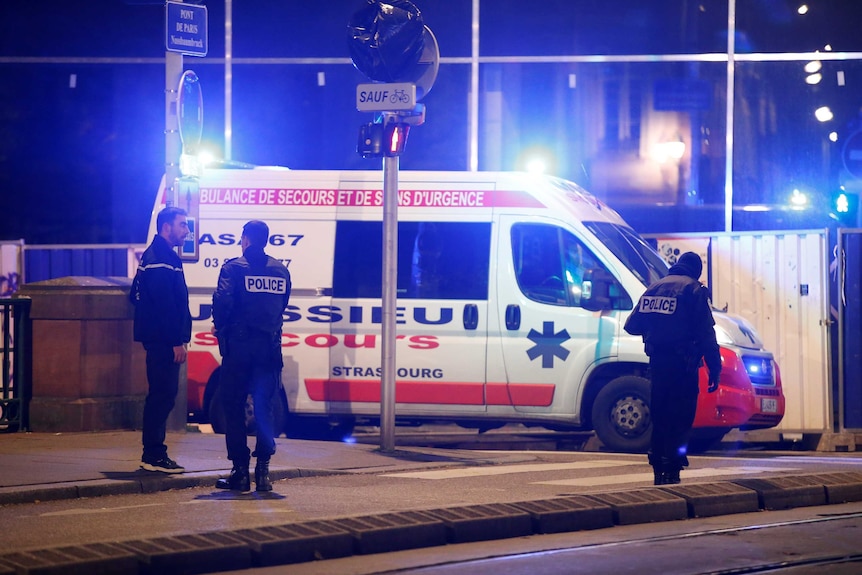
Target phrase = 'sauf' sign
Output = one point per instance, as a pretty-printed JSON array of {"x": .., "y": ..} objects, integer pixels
[{"x": 385, "y": 97}]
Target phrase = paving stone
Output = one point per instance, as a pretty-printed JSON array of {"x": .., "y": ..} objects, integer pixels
[
  {"x": 643, "y": 506},
  {"x": 563, "y": 514},
  {"x": 785, "y": 492},
  {"x": 191, "y": 554},
  {"x": 393, "y": 531},
  {"x": 296, "y": 543},
  {"x": 101, "y": 558},
  {"x": 842, "y": 486},
  {"x": 710, "y": 499},
  {"x": 484, "y": 522}
]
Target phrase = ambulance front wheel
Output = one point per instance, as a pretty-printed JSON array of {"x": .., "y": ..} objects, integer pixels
[{"x": 621, "y": 415}]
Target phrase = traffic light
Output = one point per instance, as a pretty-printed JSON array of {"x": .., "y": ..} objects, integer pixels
[
  {"x": 846, "y": 207},
  {"x": 370, "y": 143},
  {"x": 396, "y": 138},
  {"x": 376, "y": 140}
]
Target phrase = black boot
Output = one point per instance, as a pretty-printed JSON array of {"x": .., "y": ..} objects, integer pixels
[
  {"x": 671, "y": 476},
  {"x": 657, "y": 468},
  {"x": 237, "y": 481},
  {"x": 261, "y": 475}
]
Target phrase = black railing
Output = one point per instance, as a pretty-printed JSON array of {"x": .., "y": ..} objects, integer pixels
[{"x": 16, "y": 387}]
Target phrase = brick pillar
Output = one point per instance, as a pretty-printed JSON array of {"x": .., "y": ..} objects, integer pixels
[{"x": 88, "y": 373}]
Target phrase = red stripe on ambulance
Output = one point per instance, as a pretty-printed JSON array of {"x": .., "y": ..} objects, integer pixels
[{"x": 432, "y": 392}]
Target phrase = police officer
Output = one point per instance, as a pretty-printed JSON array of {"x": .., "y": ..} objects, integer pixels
[
  {"x": 163, "y": 325},
  {"x": 248, "y": 304},
  {"x": 675, "y": 319}
]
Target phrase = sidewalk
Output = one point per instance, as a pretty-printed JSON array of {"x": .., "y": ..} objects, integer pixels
[
  {"x": 41, "y": 467},
  {"x": 51, "y": 466}
]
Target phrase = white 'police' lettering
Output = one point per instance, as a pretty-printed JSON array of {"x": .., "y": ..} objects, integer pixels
[
  {"x": 658, "y": 304},
  {"x": 265, "y": 284}
]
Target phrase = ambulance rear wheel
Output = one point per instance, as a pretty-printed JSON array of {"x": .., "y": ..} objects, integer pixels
[
  {"x": 621, "y": 414},
  {"x": 320, "y": 428},
  {"x": 216, "y": 409}
]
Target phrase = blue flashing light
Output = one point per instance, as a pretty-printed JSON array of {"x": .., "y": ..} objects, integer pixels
[
  {"x": 845, "y": 206},
  {"x": 759, "y": 369},
  {"x": 798, "y": 200},
  {"x": 842, "y": 204}
]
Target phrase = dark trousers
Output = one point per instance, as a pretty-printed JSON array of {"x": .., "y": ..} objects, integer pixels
[
  {"x": 673, "y": 402},
  {"x": 251, "y": 367},
  {"x": 163, "y": 378}
]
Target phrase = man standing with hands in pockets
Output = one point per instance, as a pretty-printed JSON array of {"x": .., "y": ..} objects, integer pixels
[
  {"x": 248, "y": 307},
  {"x": 675, "y": 319}
]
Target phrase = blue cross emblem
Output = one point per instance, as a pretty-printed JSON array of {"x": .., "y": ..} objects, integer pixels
[{"x": 548, "y": 344}]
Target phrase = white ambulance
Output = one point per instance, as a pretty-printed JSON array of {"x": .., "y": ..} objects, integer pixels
[{"x": 511, "y": 296}]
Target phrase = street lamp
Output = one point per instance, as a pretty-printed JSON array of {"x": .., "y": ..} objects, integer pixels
[{"x": 823, "y": 114}]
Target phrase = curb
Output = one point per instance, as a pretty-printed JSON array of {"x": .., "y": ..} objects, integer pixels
[
  {"x": 138, "y": 482},
  {"x": 328, "y": 539}
]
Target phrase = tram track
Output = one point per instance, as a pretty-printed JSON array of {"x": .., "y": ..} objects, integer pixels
[
  {"x": 619, "y": 554},
  {"x": 783, "y": 566}
]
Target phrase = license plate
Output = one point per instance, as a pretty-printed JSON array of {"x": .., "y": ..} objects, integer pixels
[{"x": 768, "y": 405}]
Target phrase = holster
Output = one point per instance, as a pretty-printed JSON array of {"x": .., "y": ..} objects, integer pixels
[
  {"x": 693, "y": 362},
  {"x": 277, "y": 358},
  {"x": 221, "y": 337}
]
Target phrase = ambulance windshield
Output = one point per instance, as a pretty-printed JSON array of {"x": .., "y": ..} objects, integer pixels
[{"x": 631, "y": 249}]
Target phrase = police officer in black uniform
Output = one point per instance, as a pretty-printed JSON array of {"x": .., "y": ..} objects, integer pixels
[
  {"x": 675, "y": 319},
  {"x": 248, "y": 305}
]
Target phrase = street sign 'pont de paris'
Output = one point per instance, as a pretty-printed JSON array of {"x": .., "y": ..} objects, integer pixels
[{"x": 186, "y": 29}]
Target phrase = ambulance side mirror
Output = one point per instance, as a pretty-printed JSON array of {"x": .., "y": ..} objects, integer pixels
[{"x": 595, "y": 290}]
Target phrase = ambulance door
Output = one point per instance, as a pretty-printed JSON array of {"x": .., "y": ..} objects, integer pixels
[
  {"x": 441, "y": 318},
  {"x": 305, "y": 246},
  {"x": 548, "y": 340}
]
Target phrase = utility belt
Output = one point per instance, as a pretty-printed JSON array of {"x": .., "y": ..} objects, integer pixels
[
  {"x": 684, "y": 352},
  {"x": 244, "y": 332},
  {"x": 680, "y": 348}
]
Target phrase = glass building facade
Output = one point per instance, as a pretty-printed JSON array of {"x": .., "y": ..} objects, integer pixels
[{"x": 631, "y": 99}]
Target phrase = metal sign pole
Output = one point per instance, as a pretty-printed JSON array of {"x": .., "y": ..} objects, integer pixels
[
  {"x": 398, "y": 81},
  {"x": 178, "y": 417},
  {"x": 390, "y": 281},
  {"x": 173, "y": 72}
]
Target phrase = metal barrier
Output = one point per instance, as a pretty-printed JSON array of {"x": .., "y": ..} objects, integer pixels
[
  {"x": 44, "y": 262},
  {"x": 16, "y": 365}
]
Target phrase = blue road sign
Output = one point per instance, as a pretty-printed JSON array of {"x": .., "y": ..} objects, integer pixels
[{"x": 186, "y": 28}]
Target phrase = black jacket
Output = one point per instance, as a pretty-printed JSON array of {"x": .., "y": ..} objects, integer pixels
[
  {"x": 252, "y": 294},
  {"x": 161, "y": 297},
  {"x": 674, "y": 317}
]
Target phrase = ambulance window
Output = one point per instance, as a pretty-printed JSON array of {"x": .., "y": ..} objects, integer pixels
[
  {"x": 631, "y": 249},
  {"x": 551, "y": 264},
  {"x": 436, "y": 260},
  {"x": 538, "y": 263}
]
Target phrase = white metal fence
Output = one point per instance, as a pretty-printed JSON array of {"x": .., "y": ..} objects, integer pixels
[{"x": 779, "y": 282}]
